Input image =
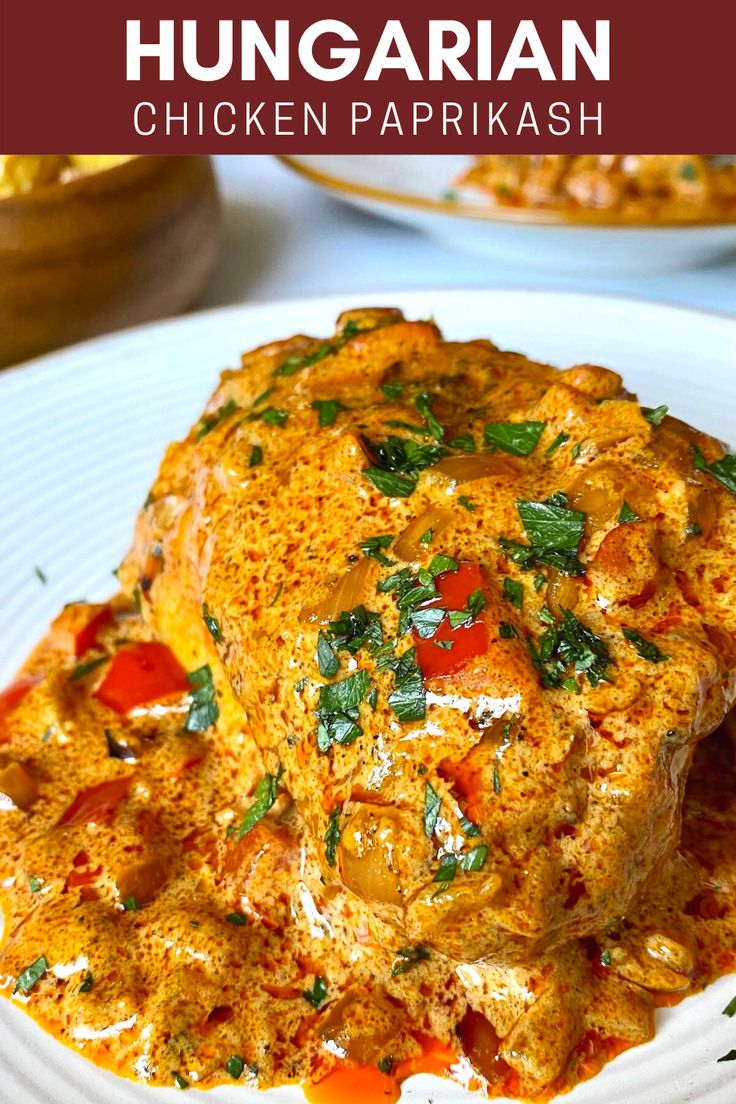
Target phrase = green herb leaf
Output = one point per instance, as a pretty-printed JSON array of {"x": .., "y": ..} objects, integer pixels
[
  {"x": 605, "y": 959},
  {"x": 469, "y": 829},
  {"x": 354, "y": 629},
  {"x": 432, "y": 803},
  {"x": 576, "y": 449},
  {"x": 30, "y": 976},
  {"x": 516, "y": 438},
  {"x": 203, "y": 708},
  {"x": 180, "y": 1082},
  {"x": 391, "y": 390},
  {"x": 407, "y": 958},
  {"x": 130, "y": 904},
  {"x": 272, "y": 416},
  {"x": 327, "y": 410},
  {"x": 496, "y": 777},
  {"x": 84, "y": 669},
  {"x": 423, "y": 404},
  {"x": 655, "y": 415},
  {"x": 327, "y": 661},
  {"x": 560, "y": 440},
  {"x": 297, "y": 362},
  {"x": 465, "y": 443},
  {"x": 426, "y": 538},
  {"x": 552, "y": 525},
  {"x": 408, "y": 700},
  {"x": 466, "y": 504},
  {"x": 374, "y": 546},
  {"x": 209, "y": 421},
  {"x": 513, "y": 592},
  {"x": 427, "y": 621},
  {"x": 256, "y": 456},
  {"x": 391, "y": 484},
  {"x": 730, "y": 1009},
  {"x": 212, "y": 624},
  {"x": 474, "y": 606},
  {"x": 35, "y": 884},
  {"x": 539, "y": 581},
  {"x": 40, "y": 575},
  {"x": 397, "y": 463},
  {"x": 730, "y": 1057},
  {"x": 644, "y": 648},
  {"x": 236, "y": 919},
  {"x": 234, "y": 1067},
  {"x": 475, "y": 858},
  {"x": 724, "y": 470},
  {"x": 507, "y": 631},
  {"x": 263, "y": 396},
  {"x": 317, "y": 993},
  {"x": 337, "y": 710},
  {"x": 332, "y": 835},
  {"x": 627, "y": 515},
  {"x": 264, "y": 797},
  {"x": 569, "y": 644},
  {"x": 86, "y": 984}
]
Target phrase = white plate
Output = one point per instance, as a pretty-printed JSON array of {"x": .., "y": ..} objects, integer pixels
[
  {"x": 82, "y": 433},
  {"x": 412, "y": 188}
]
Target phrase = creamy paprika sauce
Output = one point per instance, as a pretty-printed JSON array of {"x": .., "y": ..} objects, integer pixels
[{"x": 377, "y": 766}]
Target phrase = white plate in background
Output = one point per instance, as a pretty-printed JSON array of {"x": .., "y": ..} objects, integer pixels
[
  {"x": 413, "y": 189},
  {"x": 82, "y": 433}
]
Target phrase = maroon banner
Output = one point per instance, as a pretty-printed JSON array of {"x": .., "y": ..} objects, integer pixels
[{"x": 157, "y": 76}]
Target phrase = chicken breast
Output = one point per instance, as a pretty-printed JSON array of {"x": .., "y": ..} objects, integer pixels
[{"x": 476, "y": 612}]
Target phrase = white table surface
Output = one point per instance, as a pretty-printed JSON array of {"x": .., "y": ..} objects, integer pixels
[{"x": 284, "y": 238}]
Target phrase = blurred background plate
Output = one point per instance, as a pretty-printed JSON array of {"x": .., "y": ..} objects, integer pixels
[
  {"x": 83, "y": 432},
  {"x": 423, "y": 192}
]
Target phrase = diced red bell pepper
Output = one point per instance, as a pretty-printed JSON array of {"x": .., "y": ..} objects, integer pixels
[
  {"x": 97, "y": 804},
  {"x": 86, "y": 638},
  {"x": 454, "y": 587},
  {"x": 142, "y": 673},
  {"x": 12, "y": 696}
]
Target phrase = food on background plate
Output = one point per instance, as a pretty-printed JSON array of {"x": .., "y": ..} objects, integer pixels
[
  {"x": 632, "y": 187},
  {"x": 23, "y": 173},
  {"x": 377, "y": 766}
]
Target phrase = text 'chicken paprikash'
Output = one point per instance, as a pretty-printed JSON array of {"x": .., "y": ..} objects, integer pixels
[{"x": 381, "y": 763}]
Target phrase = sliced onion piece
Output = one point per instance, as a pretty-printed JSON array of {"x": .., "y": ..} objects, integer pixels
[
  {"x": 436, "y": 518},
  {"x": 464, "y": 469},
  {"x": 345, "y": 593}
]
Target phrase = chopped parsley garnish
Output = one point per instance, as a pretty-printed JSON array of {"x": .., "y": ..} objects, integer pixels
[
  {"x": 40, "y": 575},
  {"x": 560, "y": 440},
  {"x": 256, "y": 456},
  {"x": 408, "y": 699},
  {"x": 212, "y": 624},
  {"x": 576, "y": 449},
  {"x": 693, "y": 530},
  {"x": 655, "y": 415},
  {"x": 84, "y": 669},
  {"x": 234, "y": 1067},
  {"x": 327, "y": 661},
  {"x": 426, "y": 538},
  {"x": 391, "y": 390},
  {"x": 423, "y": 404},
  {"x": 327, "y": 410},
  {"x": 209, "y": 421},
  {"x": 86, "y": 984},
  {"x": 30, "y": 976},
  {"x": 688, "y": 171},
  {"x": 264, "y": 797},
  {"x": 352, "y": 630},
  {"x": 730, "y": 1009},
  {"x": 338, "y": 710},
  {"x": 272, "y": 416},
  {"x": 116, "y": 749},
  {"x": 296, "y": 362},
  {"x": 34, "y": 884},
  {"x": 724, "y": 470},
  {"x": 516, "y": 438},
  {"x": 131, "y": 904},
  {"x": 644, "y": 648},
  {"x": 605, "y": 959},
  {"x": 235, "y": 918},
  {"x": 427, "y": 621},
  {"x": 539, "y": 581},
  {"x": 474, "y": 606},
  {"x": 507, "y": 631},
  {"x": 397, "y": 463},
  {"x": 626, "y": 515},
  {"x": 385, "y": 1065},
  {"x": 408, "y": 957},
  {"x": 277, "y": 594},
  {"x": 569, "y": 644},
  {"x": 203, "y": 708},
  {"x": 513, "y": 592},
  {"x": 332, "y": 835},
  {"x": 180, "y": 1082},
  {"x": 555, "y": 532},
  {"x": 469, "y": 829},
  {"x": 465, "y": 443},
  {"x": 466, "y": 504},
  {"x": 317, "y": 993},
  {"x": 263, "y": 396},
  {"x": 469, "y": 860},
  {"x": 374, "y": 547},
  {"x": 496, "y": 777},
  {"x": 432, "y": 803}
]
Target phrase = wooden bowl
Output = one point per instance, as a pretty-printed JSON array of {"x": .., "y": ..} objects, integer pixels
[{"x": 111, "y": 249}]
